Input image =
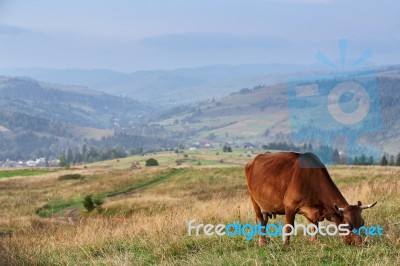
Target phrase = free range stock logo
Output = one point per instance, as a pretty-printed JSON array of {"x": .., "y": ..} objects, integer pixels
[
  {"x": 336, "y": 108},
  {"x": 279, "y": 230}
]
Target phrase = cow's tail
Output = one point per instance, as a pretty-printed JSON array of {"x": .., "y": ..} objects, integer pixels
[{"x": 247, "y": 172}]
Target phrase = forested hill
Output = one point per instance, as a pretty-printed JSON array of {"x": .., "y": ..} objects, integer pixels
[
  {"x": 41, "y": 119},
  {"x": 80, "y": 107}
]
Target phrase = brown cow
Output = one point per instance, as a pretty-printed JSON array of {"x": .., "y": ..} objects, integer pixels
[{"x": 287, "y": 183}]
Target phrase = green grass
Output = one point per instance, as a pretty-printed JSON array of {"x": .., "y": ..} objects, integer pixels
[
  {"x": 55, "y": 208},
  {"x": 24, "y": 172}
]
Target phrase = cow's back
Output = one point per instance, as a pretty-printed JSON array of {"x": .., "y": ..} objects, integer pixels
[{"x": 268, "y": 178}]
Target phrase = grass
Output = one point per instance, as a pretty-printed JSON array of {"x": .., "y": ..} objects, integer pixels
[
  {"x": 167, "y": 158},
  {"x": 144, "y": 217},
  {"x": 23, "y": 172}
]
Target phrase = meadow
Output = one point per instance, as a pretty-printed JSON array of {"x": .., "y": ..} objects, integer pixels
[{"x": 145, "y": 213}]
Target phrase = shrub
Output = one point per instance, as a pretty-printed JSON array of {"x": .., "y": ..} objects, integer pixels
[
  {"x": 226, "y": 148},
  {"x": 70, "y": 177},
  {"x": 98, "y": 202},
  {"x": 88, "y": 203},
  {"x": 151, "y": 162},
  {"x": 91, "y": 204}
]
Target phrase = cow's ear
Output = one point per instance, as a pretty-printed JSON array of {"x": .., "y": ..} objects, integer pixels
[{"x": 359, "y": 203}]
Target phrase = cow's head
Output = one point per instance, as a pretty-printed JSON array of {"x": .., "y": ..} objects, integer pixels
[{"x": 351, "y": 215}]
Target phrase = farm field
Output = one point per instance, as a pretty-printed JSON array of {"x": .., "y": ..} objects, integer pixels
[{"x": 145, "y": 213}]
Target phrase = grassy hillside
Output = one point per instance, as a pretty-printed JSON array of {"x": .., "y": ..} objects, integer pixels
[
  {"x": 144, "y": 217},
  {"x": 264, "y": 114},
  {"x": 260, "y": 114}
]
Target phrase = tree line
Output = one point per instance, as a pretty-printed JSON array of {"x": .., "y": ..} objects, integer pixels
[
  {"x": 332, "y": 155},
  {"x": 89, "y": 155}
]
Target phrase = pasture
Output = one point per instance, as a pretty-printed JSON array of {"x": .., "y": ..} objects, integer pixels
[
  {"x": 22, "y": 172},
  {"x": 146, "y": 210}
]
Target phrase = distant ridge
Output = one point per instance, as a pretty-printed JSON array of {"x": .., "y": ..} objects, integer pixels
[{"x": 168, "y": 87}]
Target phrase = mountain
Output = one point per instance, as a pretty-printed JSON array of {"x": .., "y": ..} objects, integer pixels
[
  {"x": 265, "y": 114},
  {"x": 38, "y": 118},
  {"x": 46, "y": 118},
  {"x": 167, "y": 87},
  {"x": 72, "y": 104}
]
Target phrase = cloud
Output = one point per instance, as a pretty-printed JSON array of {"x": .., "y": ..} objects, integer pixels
[
  {"x": 213, "y": 41},
  {"x": 8, "y": 29},
  {"x": 309, "y": 1}
]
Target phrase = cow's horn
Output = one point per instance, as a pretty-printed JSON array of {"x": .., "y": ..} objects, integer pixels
[
  {"x": 339, "y": 209},
  {"x": 368, "y": 206}
]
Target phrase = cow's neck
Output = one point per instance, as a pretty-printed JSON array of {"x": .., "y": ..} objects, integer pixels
[{"x": 331, "y": 194}]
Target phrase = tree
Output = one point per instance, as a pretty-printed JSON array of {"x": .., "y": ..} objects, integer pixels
[
  {"x": 211, "y": 136},
  {"x": 226, "y": 148},
  {"x": 363, "y": 159},
  {"x": 70, "y": 157},
  {"x": 84, "y": 151},
  {"x": 335, "y": 157},
  {"x": 356, "y": 161},
  {"x": 63, "y": 161},
  {"x": 384, "y": 161},
  {"x": 398, "y": 160},
  {"x": 78, "y": 158},
  {"x": 391, "y": 161},
  {"x": 304, "y": 147},
  {"x": 151, "y": 162},
  {"x": 310, "y": 147},
  {"x": 371, "y": 160}
]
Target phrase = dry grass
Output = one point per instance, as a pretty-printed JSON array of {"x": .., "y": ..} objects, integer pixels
[{"x": 148, "y": 224}]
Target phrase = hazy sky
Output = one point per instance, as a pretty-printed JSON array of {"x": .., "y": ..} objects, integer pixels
[{"x": 164, "y": 34}]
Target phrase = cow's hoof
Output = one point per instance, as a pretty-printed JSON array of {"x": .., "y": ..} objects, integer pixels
[
  {"x": 314, "y": 240},
  {"x": 262, "y": 242}
]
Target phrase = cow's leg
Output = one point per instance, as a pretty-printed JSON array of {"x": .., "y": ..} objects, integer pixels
[
  {"x": 314, "y": 238},
  {"x": 259, "y": 218},
  {"x": 313, "y": 216},
  {"x": 290, "y": 214}
]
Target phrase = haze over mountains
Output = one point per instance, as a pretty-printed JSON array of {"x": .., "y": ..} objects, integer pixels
[
  {"x": 167, "y": 87},
  {"x": 241, "y": 105}
]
